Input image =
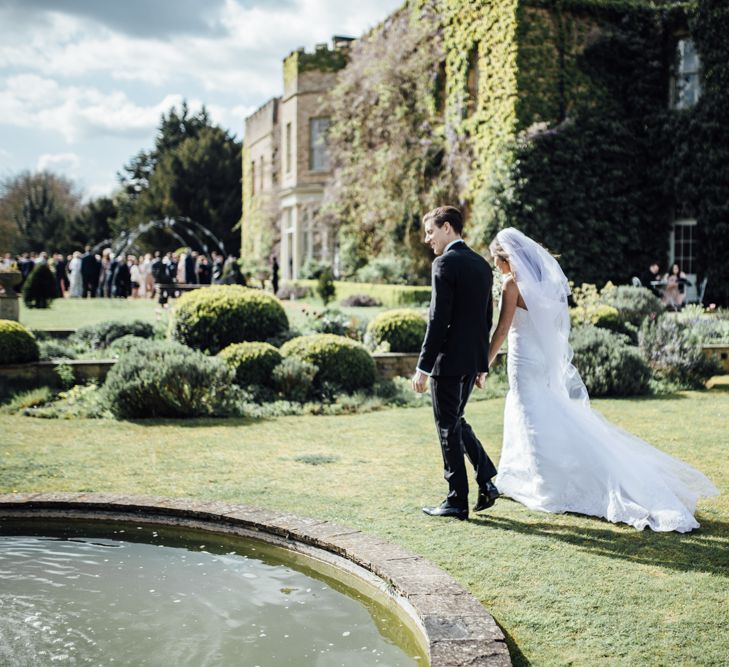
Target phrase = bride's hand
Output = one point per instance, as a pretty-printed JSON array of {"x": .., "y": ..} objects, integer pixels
[{"x": 481, "y": 380}]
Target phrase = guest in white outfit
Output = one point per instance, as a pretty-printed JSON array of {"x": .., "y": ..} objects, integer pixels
[{"x": 77, "y": 283}]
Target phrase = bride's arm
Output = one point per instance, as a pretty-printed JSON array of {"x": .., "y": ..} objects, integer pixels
[{"x": 509, "y": 296}]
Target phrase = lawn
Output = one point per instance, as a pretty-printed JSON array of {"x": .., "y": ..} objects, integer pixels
[
  {"x": 75, "y": 313},
  {"x": 565, "y": 589}
]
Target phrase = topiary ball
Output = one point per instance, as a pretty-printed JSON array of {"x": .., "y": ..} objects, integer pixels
[
  {"x": 403, "y": 329},
  {"x": 211, "y": 318},
  {"x": 341, "y": 361},
  {"x": 40, "y": 287},
  {"x": 17, "y": 344},
  {"x": 252, "y": 363}
]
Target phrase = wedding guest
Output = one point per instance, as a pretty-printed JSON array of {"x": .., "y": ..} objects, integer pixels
[
  {"x": 180, "y": 275},
  {"x": 674, "y": 294},
  {"x": 171, "y": 263},
  {"x": 104, "y": 271},
  {"x": 76, "y": 287},
  {"x": 121, "y": 281},
  {"x": 190, "y": 267},
  {"x": 650, "y": 276},
  {"x": 146, "y": 288},
  {"x": 218, "y": 264},
  {"x": 60, "y": 266},
  {"x": 274, "y": 274},
  {"x": 135, "y": 276},
  {"x": 90, "y": 272},
  {"x": 204, "y": 271},
  {"x": 25, "y": 266}
]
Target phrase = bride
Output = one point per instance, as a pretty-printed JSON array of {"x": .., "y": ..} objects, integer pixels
[{"x": 558, "y": 454}]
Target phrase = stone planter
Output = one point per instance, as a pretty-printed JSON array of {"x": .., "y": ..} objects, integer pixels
[
  {"x": 720, "y": 352},
  {"x": 43, "y": 373},
  {"x": 9, "y": 305}
]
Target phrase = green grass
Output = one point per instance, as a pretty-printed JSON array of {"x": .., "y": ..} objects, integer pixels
[
  {"x": 75, "y": 313},
  {"x": 566, "y": 589}
]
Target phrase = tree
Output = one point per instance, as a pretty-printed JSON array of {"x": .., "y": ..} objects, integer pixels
[
  {"x": 387, "y": 144},
  {"x": 95, "y": 222},
  {"x": 194, "y": 171},
  {"x": 37, "y": 210}
]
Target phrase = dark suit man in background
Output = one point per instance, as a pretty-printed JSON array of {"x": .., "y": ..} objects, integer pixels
[
  {"x": 90, "y": 271},
  {"x": 455, "y": 356}
]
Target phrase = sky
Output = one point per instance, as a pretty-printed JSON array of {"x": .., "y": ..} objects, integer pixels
[{"x": 83, "y": 83}]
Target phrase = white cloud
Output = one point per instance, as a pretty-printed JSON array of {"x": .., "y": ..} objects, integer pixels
[
  {"x": 101, "y": 83},
  {"x": 78, "y": 112},
  {"x": 65, "y": 162},
  {"x": 245, "y": 58}
]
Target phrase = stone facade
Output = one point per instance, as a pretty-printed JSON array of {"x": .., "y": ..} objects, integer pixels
[
  {"x": 261, "y": 172},
  {"x": 286, "y": 166}
]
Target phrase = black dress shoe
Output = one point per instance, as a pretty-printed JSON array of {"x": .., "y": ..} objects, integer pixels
[
  {"x": 486, "y": 497},
  {"x": 445, "y": 509}
]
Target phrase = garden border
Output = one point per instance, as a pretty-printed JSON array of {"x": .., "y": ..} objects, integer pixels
[{"x": 458, "y": 630}]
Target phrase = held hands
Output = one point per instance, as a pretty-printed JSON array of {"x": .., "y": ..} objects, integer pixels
[{"x": 419, "y": 382}]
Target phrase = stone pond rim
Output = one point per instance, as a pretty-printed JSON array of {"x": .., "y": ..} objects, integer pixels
[{"x": 457, "y": 629}]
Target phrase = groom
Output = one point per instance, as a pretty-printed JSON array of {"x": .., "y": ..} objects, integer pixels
[{"x": 455, "y": 357}]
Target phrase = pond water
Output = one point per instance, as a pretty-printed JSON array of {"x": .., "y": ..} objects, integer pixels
[{"x": 122, "y": 594}]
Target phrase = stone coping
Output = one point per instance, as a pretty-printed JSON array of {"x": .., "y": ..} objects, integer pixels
[{"x": 457, "y": 630}]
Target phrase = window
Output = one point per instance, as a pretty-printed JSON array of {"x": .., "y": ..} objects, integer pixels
[
  {"x": 318, "y": 153},
  {"x": 288, "y": 148},
  {"x": 260, "y": 175},
  {"x": 686, "y": 83},
  {"x": 683, "y": 245},
  {"x": 253, "y": 177}
]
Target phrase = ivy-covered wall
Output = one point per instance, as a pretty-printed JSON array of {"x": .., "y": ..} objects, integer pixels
[
  {"x": 553, "y": 116},
  {"x": 699, "y": 165}
]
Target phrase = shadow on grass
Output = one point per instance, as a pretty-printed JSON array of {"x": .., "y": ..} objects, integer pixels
[
  {"x": 518, "y": 659},
  {"x": 197, "y": 422},
  {"x": 703, "y": 550}
]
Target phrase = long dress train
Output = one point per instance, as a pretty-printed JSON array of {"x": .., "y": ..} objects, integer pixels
[{"x": 559, "y": 455}]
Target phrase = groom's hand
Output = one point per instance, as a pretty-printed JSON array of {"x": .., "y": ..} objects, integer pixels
[
  {"x": 419, "y": 382},
  {"x": 481, "y": 380}
]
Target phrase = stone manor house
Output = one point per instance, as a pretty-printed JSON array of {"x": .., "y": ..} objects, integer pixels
[
  {"x": 285, "y": 160},
  {"x": 286, "y": 164}
]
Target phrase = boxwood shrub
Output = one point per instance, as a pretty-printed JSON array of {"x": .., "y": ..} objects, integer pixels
[
  {"x": 211, "y": 318},
  {"x": 167, "y": 379},
  {"x": 252, "y": 363},
  {"x": 608, "y": 364},
  {"x": 103, "y": 334},
  {"x": 17, "y": 344},
  {"x": 341, "y": 361},
  {"x": 40, "y": 287},
  {"x": 402, "y": 329}
]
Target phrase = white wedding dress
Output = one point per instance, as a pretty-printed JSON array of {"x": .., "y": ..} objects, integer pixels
[{"x": 559, "y": 455}]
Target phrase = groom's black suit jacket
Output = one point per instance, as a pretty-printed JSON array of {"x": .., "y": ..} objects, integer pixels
[{"x": 459, "y": 321}]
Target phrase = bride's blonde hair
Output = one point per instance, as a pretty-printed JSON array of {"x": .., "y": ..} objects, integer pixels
[{"x": 497, "y": 250}]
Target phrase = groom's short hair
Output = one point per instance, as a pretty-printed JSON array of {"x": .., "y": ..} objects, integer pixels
[{"x": 439, "y": 216}]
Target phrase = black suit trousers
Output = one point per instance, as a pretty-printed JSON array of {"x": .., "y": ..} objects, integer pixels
[{"x": 450, "y": 395}]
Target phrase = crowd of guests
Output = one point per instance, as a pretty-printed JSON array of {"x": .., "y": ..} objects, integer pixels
[{"x": 90, "y": 274}]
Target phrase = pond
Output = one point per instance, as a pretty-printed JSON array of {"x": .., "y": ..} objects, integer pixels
[{"x": 74, "y": 592}]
